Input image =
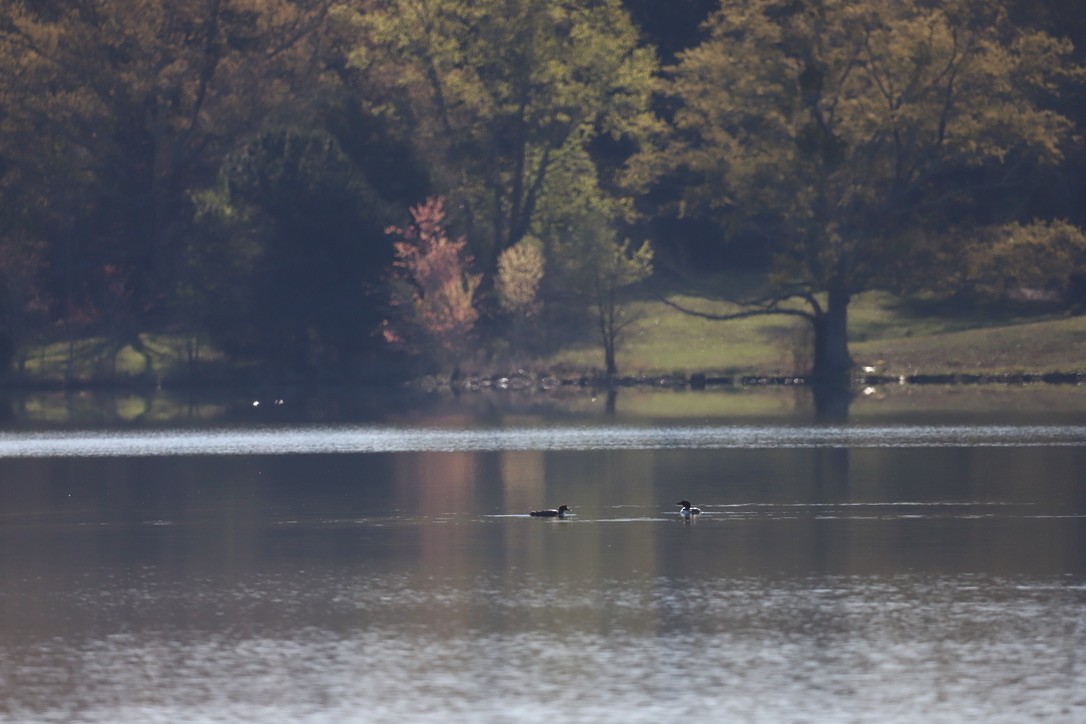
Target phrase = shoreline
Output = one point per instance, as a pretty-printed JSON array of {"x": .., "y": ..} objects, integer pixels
[
  {"x": 698, "y": 381},
  {"x": 521, "y": 381}
]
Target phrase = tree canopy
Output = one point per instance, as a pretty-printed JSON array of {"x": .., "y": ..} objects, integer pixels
[
  {"x": 222, "y": 170},
  {"x": 115, "y": 109},
  {"x": 497, "y": 90},
  {"x": 846, "y": 136}
]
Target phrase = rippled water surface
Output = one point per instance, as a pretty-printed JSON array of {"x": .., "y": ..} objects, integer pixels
[
  {"x": 891, "y": 572},
  {"x": 355, "y": 439}
]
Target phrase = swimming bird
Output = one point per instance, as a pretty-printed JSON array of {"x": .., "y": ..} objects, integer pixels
[
  {"x": 687, "y": 510},
  {"x": 551, "y": 513}
]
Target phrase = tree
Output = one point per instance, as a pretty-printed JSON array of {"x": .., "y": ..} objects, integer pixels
[
  {"x": 597, "y": 269},
  {"x": 1035, "y": 259},
  {"x": 313, "y": 225},
  {"x": 432, "y": 287},
  {"x": 841, "y": 134},
  {"x": 497, "y": 89},
  {"x": 520, "y": 274},
  {"x": 615, "y": 266},
  {"x": 520, "y": 270},
  {"x": 114, "y": 110},
  {"x": 22, "y": 302}
]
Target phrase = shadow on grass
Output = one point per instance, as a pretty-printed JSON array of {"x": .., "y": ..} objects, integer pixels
[{"x": 738, "y": 284}]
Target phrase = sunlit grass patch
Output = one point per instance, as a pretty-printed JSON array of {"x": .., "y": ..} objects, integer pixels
[
  {"x": 893, "y": 335},
  {"x": 152, "y": 356},
  {"x": 1056, "y": 345},
  {"x": 662, "y": 339}
]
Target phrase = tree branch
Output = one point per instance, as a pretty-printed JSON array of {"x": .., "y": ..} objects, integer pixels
[{"x": 757, "y": 308}]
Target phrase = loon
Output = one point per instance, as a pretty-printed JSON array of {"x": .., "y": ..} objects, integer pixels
[
  {"x": 552, "y": 513},
  {"x": 687, "y": 511}
]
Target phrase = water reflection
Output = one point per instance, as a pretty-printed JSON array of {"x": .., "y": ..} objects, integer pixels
[
  {"x": 896, "y": 572},
  {"x": 390, "y": 648},
  {"x": 832, "y": 402},
  {"x": 776, "y": 403}
]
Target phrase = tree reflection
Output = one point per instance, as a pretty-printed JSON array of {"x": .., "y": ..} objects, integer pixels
[
  {"x": 831, "y": 401},
  {"x": 612, "y": 401}
]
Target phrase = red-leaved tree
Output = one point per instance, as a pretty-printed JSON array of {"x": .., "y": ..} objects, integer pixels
[{"x": 432, "y": 287}]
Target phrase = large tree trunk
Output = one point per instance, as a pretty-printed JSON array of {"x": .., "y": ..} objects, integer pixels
[{"x": 832, "y": 361}]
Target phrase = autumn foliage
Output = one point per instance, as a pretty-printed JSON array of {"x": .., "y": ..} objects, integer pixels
[{"x": 432, "y": 287}]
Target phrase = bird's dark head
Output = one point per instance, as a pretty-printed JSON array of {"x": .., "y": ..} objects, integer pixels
[
  {"x": 684, "y": 503},
  {"x": 563, "y": 508}
]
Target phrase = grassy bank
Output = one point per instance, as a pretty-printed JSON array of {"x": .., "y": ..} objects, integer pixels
[
  {"x": 150, "y": 359},
  {"x": 893, "y": 336}
]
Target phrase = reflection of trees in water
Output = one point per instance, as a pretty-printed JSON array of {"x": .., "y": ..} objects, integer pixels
[
  {"x": 831, "y": 402},
  {"x": 524, "y": 481},
  {"x": 599, "y": 485},
  {"x": 830, "y": 473},
  {"x": 436, "y": 484},
  {"x": 259, "y": 403},
  {"x": 350, "y": 404},
  {"x": 612, "y": 401}
]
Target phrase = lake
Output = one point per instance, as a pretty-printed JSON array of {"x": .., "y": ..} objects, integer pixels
[{"x": 923, "y": 559}]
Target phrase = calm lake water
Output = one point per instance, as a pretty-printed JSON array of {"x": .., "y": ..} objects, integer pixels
[{"x": 905, "y": 565}]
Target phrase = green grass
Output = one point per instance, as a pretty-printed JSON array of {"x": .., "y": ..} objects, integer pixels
[
  {"x": 892, "y": 335},
  {"x": 157, "y": 356},
  {"x": 1054, "y": 345},
  {"x": 662, "y": 339}
]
